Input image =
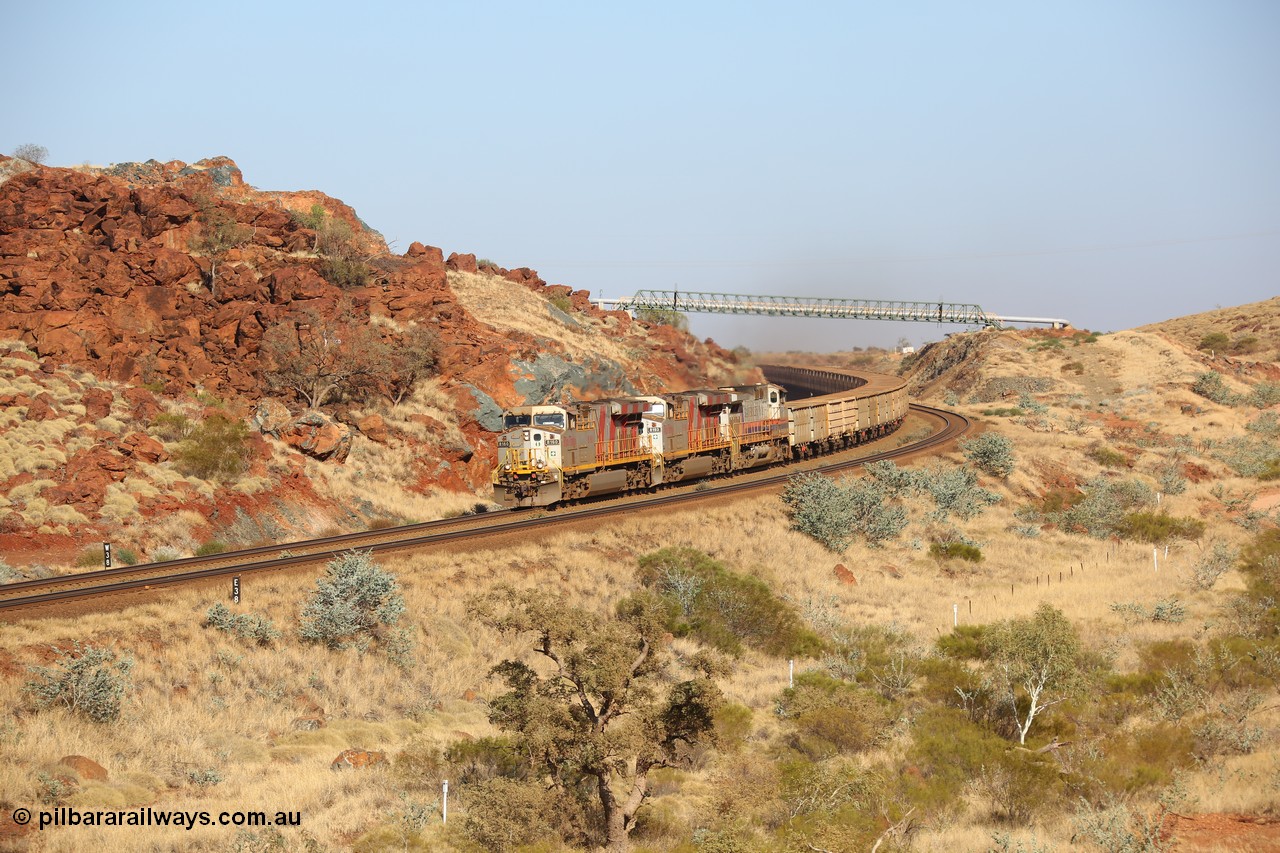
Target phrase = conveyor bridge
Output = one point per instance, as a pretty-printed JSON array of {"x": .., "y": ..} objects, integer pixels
[{"x": 688, "y": 302}]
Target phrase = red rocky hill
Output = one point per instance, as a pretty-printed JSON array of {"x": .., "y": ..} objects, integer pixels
[{"x": 101, "y": 271}]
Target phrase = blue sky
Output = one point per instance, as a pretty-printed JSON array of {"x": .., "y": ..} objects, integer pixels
[{"x": 1115, "y": 163}]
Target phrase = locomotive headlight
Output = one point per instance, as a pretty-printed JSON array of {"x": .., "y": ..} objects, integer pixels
[
  {"x": 506, "y": 467},
  {"x": 541, "y": 464},
  {"x": 524, "y": 434}
]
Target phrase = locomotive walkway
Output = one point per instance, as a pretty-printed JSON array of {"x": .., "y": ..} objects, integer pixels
[{"x": 806, "y": 306}]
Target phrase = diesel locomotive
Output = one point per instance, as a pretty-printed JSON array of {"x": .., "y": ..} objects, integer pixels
[{"x": 549, "y": 454}]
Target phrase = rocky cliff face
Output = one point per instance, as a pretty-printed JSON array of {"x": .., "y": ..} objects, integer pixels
[{"x": 106, "y": 271}]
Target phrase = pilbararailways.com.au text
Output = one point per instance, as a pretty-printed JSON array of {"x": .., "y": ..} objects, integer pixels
[{"x": 63, "y": 816}]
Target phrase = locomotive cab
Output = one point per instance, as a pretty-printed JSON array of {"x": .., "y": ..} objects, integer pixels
[{"x": 530, "y": 455}]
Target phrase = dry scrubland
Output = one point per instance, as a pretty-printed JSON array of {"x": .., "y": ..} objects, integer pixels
[
  {"x": 371, "y": 486},
  {"x": 218, "y": 723}
]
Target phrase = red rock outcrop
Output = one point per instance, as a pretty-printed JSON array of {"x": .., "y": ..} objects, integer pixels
[
  {"x": 318, "y": 435},
  {"x": 87, "y": 768},
  {"x": 99, "y": 270},
  {"x": 356, "y": 759}
]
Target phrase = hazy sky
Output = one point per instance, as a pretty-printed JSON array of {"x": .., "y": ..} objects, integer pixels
[{"x": 1114, "y": 163}]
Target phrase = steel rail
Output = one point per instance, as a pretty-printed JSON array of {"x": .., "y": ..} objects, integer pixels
[{"x": 111, "y": 581}]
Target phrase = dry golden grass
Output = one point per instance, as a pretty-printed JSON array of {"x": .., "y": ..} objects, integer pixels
[
  {"x": 511, "y": 307},
  {"x": 208, "y": 701}
]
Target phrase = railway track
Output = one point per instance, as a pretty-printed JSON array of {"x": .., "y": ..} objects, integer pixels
[{"x": 24, "y": 598}]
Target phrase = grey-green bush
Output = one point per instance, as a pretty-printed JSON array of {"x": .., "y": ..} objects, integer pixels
[
  {"x": 87, "y": 680},
  {"x": 991, "y": 453},
  {"x": 1211, "y": 386},
  {"x": 956, "y": 492},
  {"x": 247, "y": 626},
  {"x": 837, "y": 513},
  {"x": 352, "y": 603}
]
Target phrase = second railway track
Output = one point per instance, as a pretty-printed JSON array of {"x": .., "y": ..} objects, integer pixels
[{"x": 25, "y": 599}]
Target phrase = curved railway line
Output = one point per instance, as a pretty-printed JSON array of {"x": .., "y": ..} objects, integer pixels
[{"x": 44, "y": 598}]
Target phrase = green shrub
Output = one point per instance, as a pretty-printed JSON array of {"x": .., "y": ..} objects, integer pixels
[
  {"x": 92, "y": 556},
  {"x": 951, "y": 753},
  {"x": 1267, "y": 423},
  {"x": 966, "y": 642},
  {"x": 1003, "y": 413},
  {"x": 1158, "y": 527},
  {"x": 722, "y": 608},
  {"x": 832, "y": 716},
  {"x": 248, "y": 626},
  {"x": 474, "y": 761},
  {"x": 990, "y": 453},
  {"x": 353, "y": 603},
  {"x": 1215, "y": 341},
  {"x": 957, "y": 550},
  {"x": 732, "y": 726},
  {"x": 210, "y": 548},
  {"x": 1106, "y": 457},
  {"x": 217, "y": 449},
  {"x": 171, "y": 427},
  {"x": 504, "y": 815},
  {"x": 1171, "y": 480},
  {"x": 663, "y": 317},
  {"x": 1140, "y": 759},
  {"x": 204, "y": 778},
  {"x": 561, "y": 303},
  {"x": 1165, "y": 610},
  {"x": 87, "y": 680},
  {"x": 346, "y": 273}
]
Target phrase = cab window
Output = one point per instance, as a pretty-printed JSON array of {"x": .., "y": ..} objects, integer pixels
[
  {"x": 551, "y": 419},
  {"x": 509, "y": 420}
]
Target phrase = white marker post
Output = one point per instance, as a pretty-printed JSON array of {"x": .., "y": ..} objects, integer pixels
[
  {"x": 106, "y": 555},
  {"x": 791, "y": 673},
  {"x": 1155, "y": 558},
  {"x": 444, "y": 801},
  {"x": 955, "y": 615}
]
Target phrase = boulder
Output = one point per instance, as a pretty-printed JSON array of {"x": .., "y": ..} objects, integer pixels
[
  {"x": 97, "y": 403},
  {"x": 462, "y": 263},
  {"x": 88, "y": 769},
  {"x": 374, "y": 427},
  {"x": 143, "y": 448},
  {"x": 271, "y": 417},
  {"x": 297, "y": 283},
  {"x": 42, "y": 409},
  {"x": 420, "y": 253},
  {"x": 356, "y": 759},
  {"x": 319, "y": 436},
  {"x": 142, "y": 403}
]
